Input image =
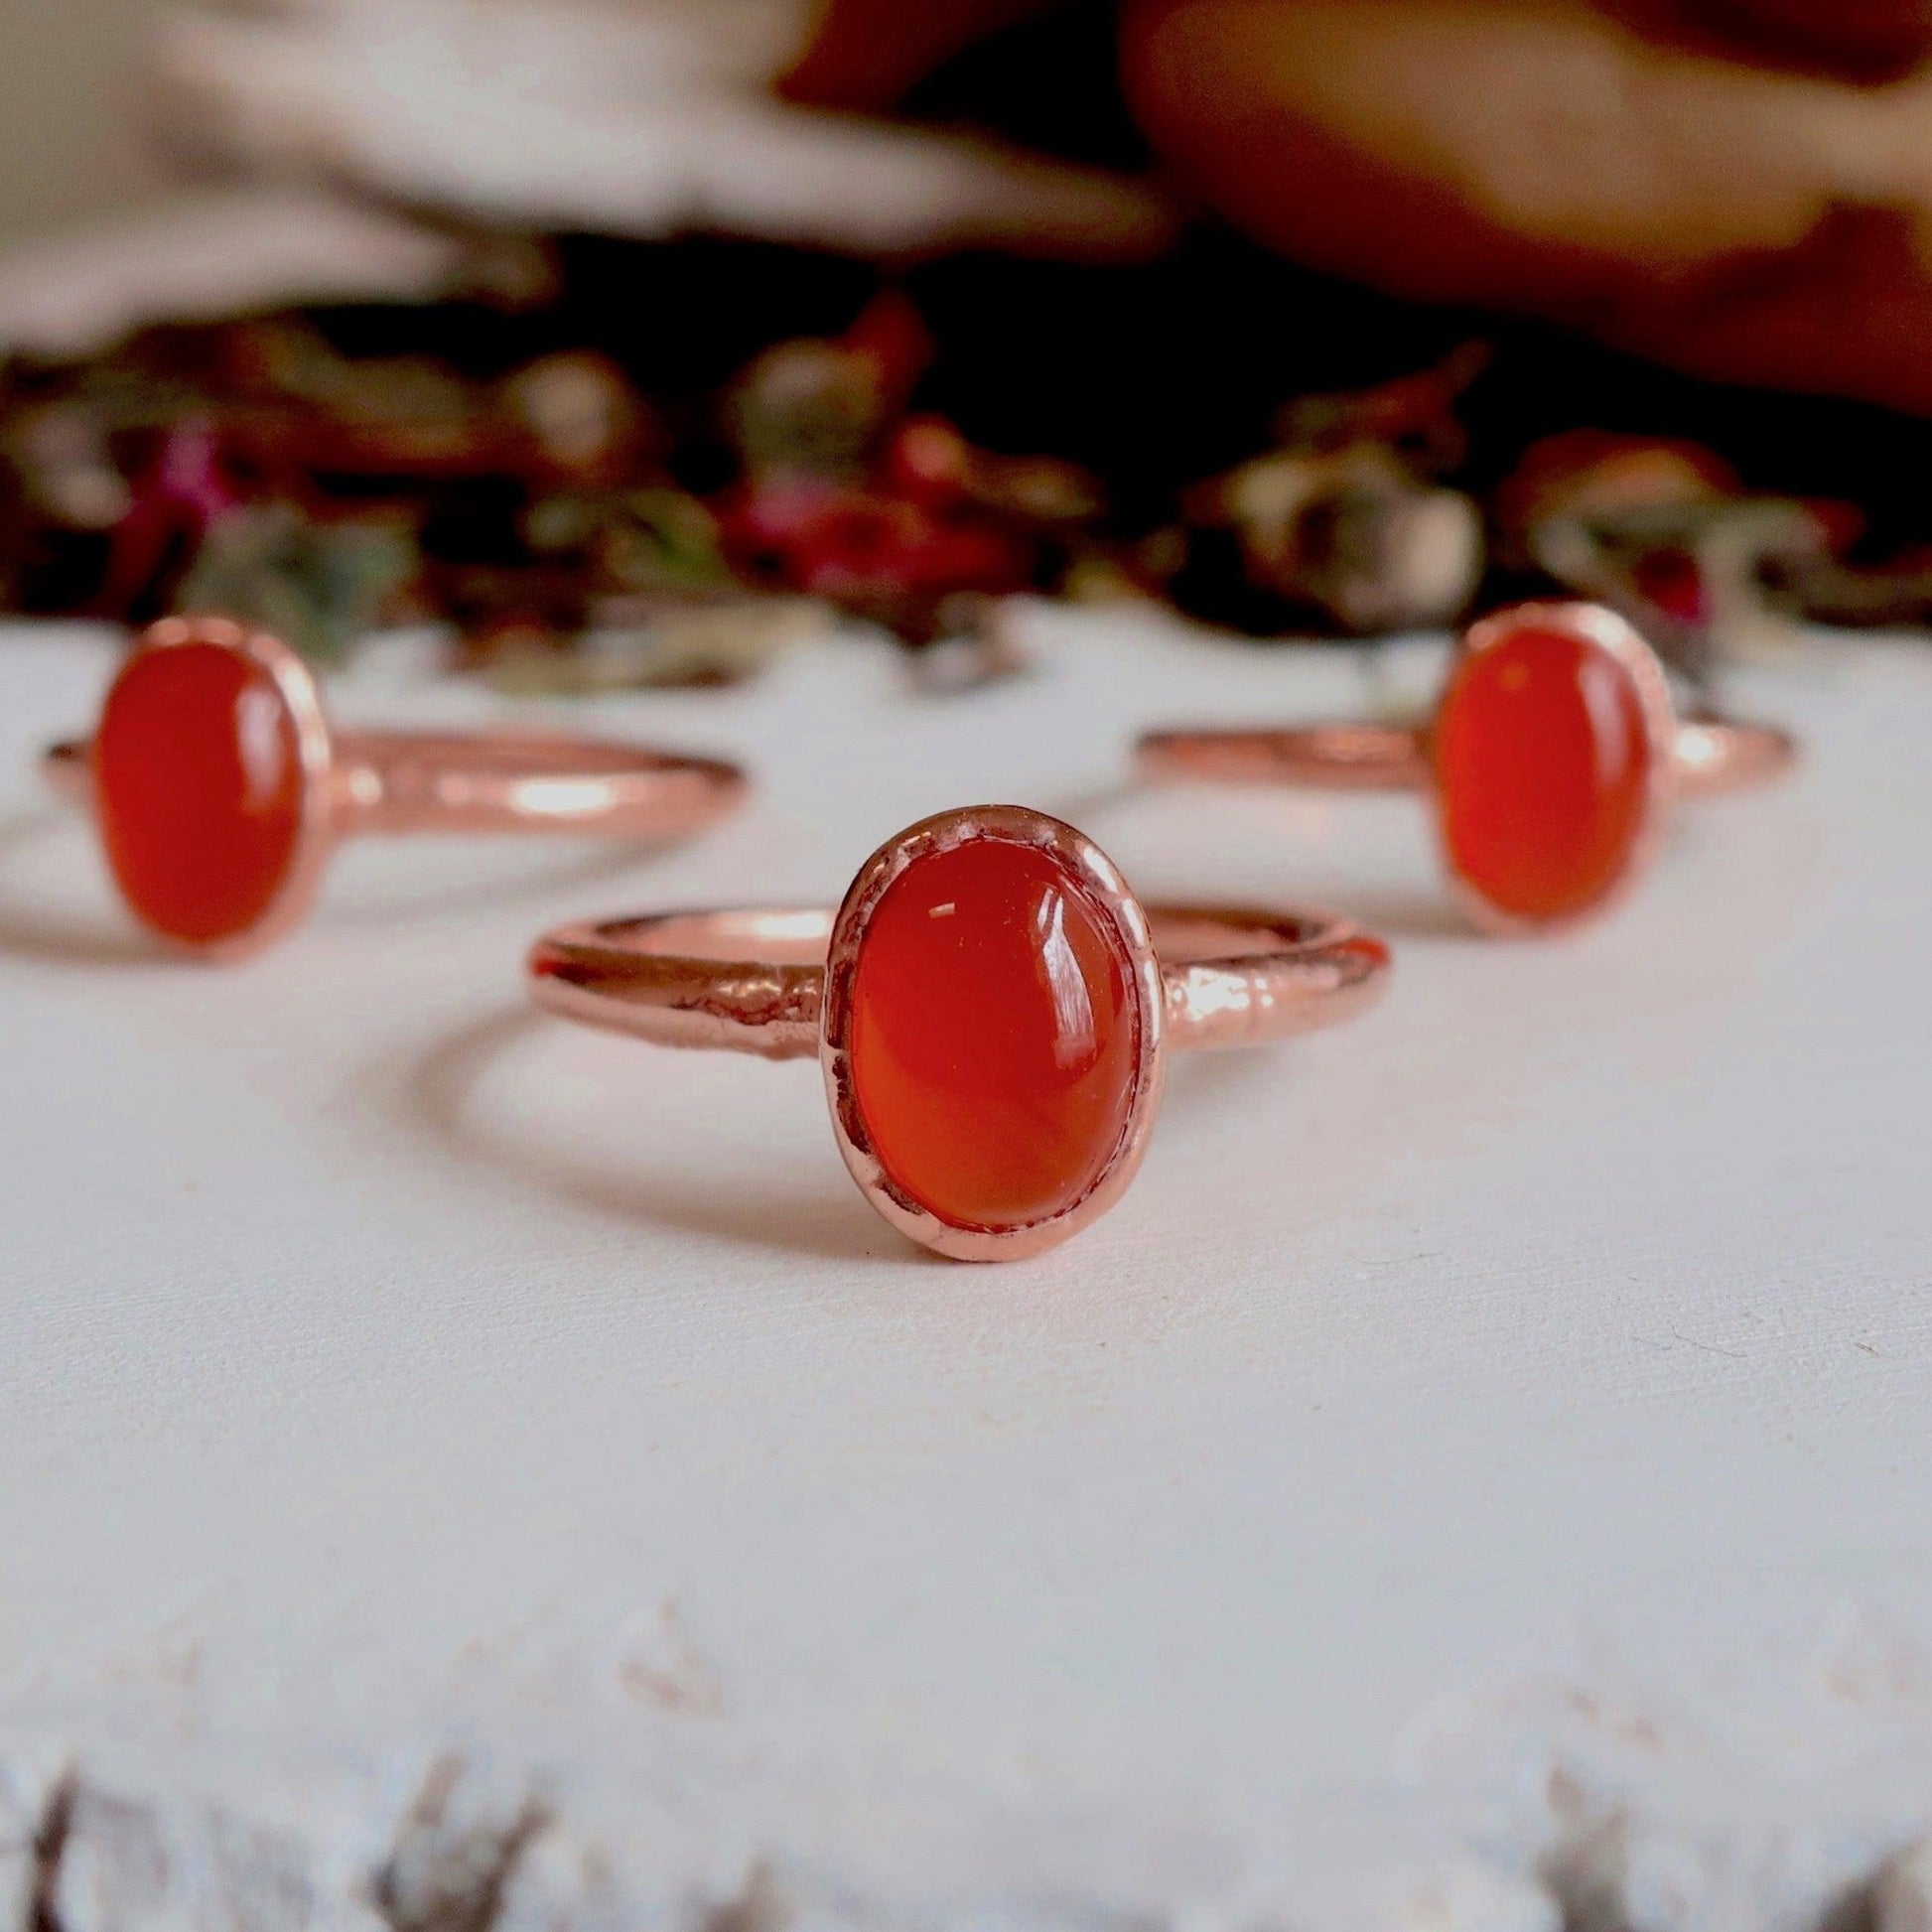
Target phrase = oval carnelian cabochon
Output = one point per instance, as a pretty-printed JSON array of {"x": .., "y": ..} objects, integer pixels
[
  {"x": 996, "y": 1033},
  {"x": 199, "y": 789},
  {"x": 1544, "y": 767}
]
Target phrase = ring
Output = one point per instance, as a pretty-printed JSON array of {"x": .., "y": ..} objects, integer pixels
[
  {"x": 219, "y": 789},
  {"x": 988, "y": 1007},
  {"x": 1554, "y": 756}
]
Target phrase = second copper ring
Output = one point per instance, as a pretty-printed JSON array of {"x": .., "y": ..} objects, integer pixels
[{"x": 220, "y": 790}]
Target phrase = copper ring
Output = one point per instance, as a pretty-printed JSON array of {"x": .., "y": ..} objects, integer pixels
[
  {"x": 779, "y": 982},
  {"x": 1697, "y": 757},
  {"x": 394, "y": 782},
  {"x": 1713, "y": 756}
]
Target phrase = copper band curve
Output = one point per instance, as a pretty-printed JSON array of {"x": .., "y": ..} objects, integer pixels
[{"x": 753, "y": 981}]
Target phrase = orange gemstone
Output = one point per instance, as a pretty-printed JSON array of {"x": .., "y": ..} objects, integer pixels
[
  {"x": 1543, "y": 760},
  {"x": 995, "y": 1034},
  {"x": 198, "y": 781}
]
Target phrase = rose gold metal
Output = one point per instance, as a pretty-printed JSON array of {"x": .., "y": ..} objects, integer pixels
[
  {"x": 749, "y": 981},
  {"x": 393, "y": 783},
  {"x": 1714, "y": 754},
  {"x": 777, "y": 982},
  {"x": 753, "y": 980},
  {"x": 1235, "y": 976},
  {"x": 1719, "y": 755},
  {"x": 1690, "y": 757},
  {"x": 512, "y": 781},
  {"x": 1327, "y": 758}
]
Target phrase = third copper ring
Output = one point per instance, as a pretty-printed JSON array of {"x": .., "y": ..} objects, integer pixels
[{"x": 1554, "y": 759}]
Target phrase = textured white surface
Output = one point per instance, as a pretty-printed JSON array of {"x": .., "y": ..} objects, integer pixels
[{"x": 1490, "y": 1436}]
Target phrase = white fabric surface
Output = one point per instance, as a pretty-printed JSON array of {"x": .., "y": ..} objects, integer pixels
[{"x": 376, "y": 1358}]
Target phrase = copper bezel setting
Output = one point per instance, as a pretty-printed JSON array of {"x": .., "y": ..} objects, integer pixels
[
  {"x": 1603, "y": 630},
  {"x": 1098, "y": 880}
]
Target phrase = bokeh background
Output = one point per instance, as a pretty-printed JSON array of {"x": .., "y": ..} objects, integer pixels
[
  {"x": 73, "y": 125},
  {"x": 600, "y": 222}
]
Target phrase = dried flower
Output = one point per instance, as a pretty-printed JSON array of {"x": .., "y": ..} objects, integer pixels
[
  {"x": 1589, "y": 472},
  {"x": 66, "y": 472},
  {"x": 1662, "y": 531},
  {"x": 1350, "y": 534},
  {"x": 588, "y": 426},
  {"x": 808, "y": 407},
  {"x": 1413, "y": 417},
  {"x": 318, "y": 586},
  {"x": 879, "y": 557},
  {"x": 640, "y": 642},
  {"x": 182, "y": 496},
  {"x": 637, "y": 540}
]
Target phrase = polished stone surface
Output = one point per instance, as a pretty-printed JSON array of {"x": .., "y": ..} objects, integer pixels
[
  {"x": 199, "y": 789},
  {"x": 995, "y": 1034},
  {"x": 1544, "y": 773}
]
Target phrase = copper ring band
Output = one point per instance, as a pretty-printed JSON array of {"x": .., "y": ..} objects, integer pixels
[
  {"x": 493, "y": 781},
  {"x": 445, "y": 782},
  {"x": 753, "y": 981},
  {"x": 1714, "y": 754}
]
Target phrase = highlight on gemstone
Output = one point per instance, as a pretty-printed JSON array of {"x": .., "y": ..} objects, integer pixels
[
  {"x": 995, "y": 1034},
  {"x": 1544, "y": 766},
  {"x": 199, "y": 789}
]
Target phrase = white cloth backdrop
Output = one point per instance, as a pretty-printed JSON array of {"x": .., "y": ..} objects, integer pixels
[{"x": 1489, "y": 1441}]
